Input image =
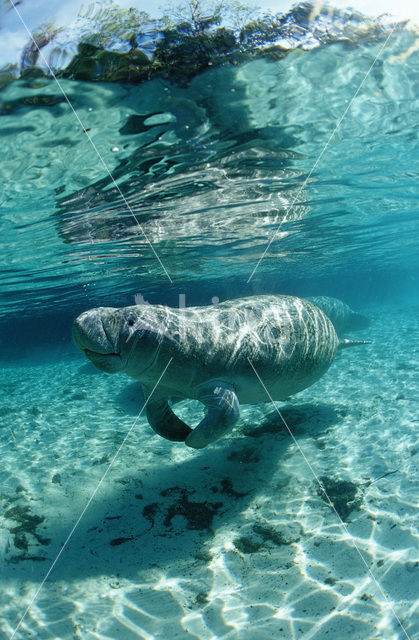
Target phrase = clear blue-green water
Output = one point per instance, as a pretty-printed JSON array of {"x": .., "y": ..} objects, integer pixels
[{"x": 234, "y": 541}]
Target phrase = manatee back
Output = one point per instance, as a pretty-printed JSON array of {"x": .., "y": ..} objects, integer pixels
[
  {"x": 289, "y": 341},
  {"x": 300, "y": 346},
  {"x": 342, "y": 316}
]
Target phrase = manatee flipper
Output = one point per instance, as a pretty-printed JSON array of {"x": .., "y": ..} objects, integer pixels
[
  {"x": 223, "y": 412},
  {"x": 164, "y": 422}
]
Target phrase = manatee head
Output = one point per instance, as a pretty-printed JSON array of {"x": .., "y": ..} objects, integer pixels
[{"x": 115, "y": 339}]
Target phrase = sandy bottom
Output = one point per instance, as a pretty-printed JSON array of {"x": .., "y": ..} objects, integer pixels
[{"x": 236, "y": 541}]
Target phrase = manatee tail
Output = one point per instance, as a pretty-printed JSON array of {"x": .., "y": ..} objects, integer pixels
[{"x": 344, "y": 343}]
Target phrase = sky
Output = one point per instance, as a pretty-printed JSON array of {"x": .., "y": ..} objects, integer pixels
[{"x": 35, "y": 12}]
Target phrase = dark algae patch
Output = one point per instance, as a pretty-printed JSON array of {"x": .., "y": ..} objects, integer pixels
[
  {"x": 342, "y": 494},
  {"x": 117, "y": 541},
  {"x": 177, "y": 502},
  {"x": 24, "y": 530},
  {"x": 245, "y": 545},
  {"x": 150, "y": 511},
  {"x": 228, "y": 489},
  {"x": 28, "y": 522},
  {"x": 278, "y": 536},
  {"x": 262, "y": 534},
  {"x": 201, "y": 599},
  {"x": 198, "y": 515},
  {"x": 21, "y": 541}
]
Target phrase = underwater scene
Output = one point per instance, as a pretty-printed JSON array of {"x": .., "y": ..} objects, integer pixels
[{"x": 209, "y": 324}]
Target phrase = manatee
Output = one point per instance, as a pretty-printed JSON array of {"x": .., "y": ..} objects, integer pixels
[
  {"x": 290, "y": 342},
  {"x": 342, "y": 316}
]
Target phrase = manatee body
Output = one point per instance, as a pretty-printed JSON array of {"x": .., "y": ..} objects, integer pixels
[
  {"x": 342, "y": 316},
  {"x": 289, "y": 341}
]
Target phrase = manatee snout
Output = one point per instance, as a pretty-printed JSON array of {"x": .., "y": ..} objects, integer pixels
[
  {"x": 89, "y": 333},
  {"x": 96, "y": 333}
]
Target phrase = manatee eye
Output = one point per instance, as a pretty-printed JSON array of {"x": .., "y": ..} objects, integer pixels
[{"x": 131, "y": 322}]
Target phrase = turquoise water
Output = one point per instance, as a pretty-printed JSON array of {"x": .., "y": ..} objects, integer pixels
[{"x": 235, "y": 541}]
